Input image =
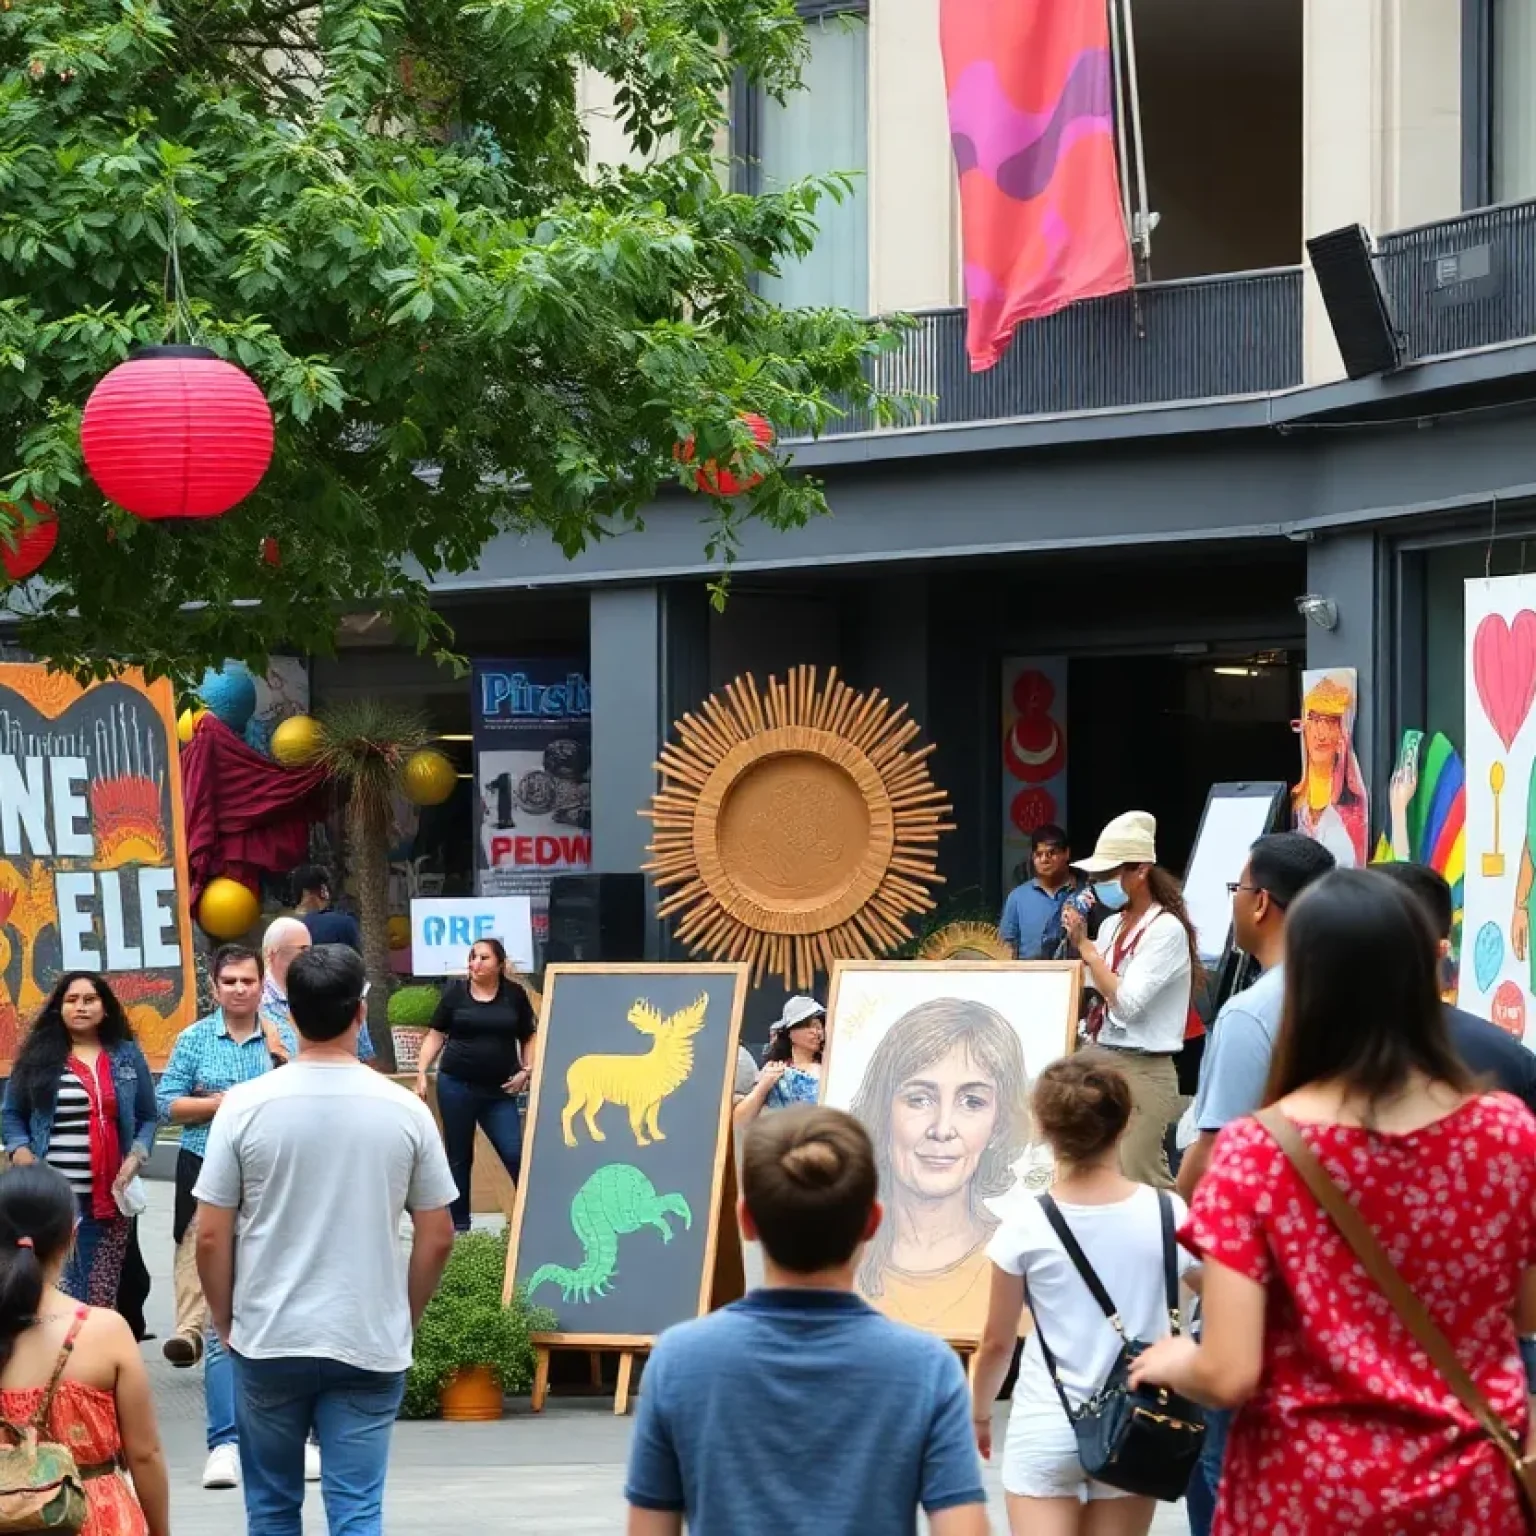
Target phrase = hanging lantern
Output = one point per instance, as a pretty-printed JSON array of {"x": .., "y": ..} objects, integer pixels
[
  {"x": 271, "y": 552},
  {"x": 398, "y": 932},
  {"x": 428, "y": 778},
  {"x": 726, "y": 482},
  {"x": 35, "y": 541},
  {"x": 176, "y": 432},
  {"x": 296, "y": 740},
  {"x": 228, "y": 909}
]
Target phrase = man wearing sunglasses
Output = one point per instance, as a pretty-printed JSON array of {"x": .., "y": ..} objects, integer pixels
[{"x": 1235, "y": 1067}]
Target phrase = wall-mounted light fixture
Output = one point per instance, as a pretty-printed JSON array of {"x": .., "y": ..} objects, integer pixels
[{"x": 1315, "y": 609}]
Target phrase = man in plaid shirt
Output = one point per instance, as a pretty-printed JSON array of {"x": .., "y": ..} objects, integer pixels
[{"x": 230, "y": 1046}]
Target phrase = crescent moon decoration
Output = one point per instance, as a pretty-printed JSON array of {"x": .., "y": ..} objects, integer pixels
[{"x": 795, "y": 825}]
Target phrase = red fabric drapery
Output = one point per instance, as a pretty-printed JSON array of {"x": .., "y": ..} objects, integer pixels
[
  {"x": 246, "y": 815},
  {"x": 1031, "y": 117}
]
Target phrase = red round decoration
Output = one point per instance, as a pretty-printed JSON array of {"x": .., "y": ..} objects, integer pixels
[
  {"x": 36, "y": 541},
  {"x": 726, "y": 482},
  {"x": 176, "y": 432},
  {"x": 1509, "y": 1009},
  {"x": 1031, "y": 809}
]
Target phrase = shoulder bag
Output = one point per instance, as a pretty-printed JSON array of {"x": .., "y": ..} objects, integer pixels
[
  {"x": 1414, "y": 1316},
  {"x": 1141, "y": 1440}
]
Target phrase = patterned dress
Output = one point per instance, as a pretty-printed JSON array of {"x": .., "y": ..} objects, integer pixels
[
  {"x": 1352, "y": 1430},
  {"x": 84, "y": 1418},
  {"x": 797, "y": 1086}
]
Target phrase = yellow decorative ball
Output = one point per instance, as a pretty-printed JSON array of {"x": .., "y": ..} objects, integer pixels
[
  {"x": 296, "y": 740},
  {"x": 429, "y": 777},
  {"x": 398, "y": 931},
  {"x": 187, "y": 723},
  {"x": 228, "y": 909}
]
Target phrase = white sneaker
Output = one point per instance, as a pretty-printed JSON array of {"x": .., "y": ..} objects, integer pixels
[
  {"x": 223, "y": 1467},
  {"x": 311, "y": 1462}
]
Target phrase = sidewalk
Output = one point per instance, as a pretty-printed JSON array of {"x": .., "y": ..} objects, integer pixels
[{"x": 560, "y": 1473}]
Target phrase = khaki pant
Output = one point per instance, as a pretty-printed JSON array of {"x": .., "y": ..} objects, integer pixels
[
  {"x": 191, "y": 1309},
  {"x": 1155, "y": 1095}
]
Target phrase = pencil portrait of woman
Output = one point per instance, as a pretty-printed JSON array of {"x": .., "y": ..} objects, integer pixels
[{"x": 945, "y": 1102}]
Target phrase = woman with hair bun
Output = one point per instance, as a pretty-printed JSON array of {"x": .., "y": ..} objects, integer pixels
[
  {"x": 81, "y": 1099},
  {"x": 1082, "y": 1106},
  {"x": 75, "y": 1371}
]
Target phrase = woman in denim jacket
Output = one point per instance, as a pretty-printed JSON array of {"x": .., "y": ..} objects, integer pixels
[{"x": 81, "y": 1099}]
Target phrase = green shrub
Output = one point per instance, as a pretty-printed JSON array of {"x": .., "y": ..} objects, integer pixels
[
  {"x": 412, "y": 1007},
  {"x": 465, "y": 1325}
]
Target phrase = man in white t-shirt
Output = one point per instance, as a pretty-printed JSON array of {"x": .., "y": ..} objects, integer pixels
[{"x": 300, "y": 1256}]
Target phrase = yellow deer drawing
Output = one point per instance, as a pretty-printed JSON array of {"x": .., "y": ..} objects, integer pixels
[{"x": 639, "y": 1083}]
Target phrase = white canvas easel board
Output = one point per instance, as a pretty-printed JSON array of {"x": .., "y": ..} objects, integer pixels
[{"x": 1235, "y": 817}]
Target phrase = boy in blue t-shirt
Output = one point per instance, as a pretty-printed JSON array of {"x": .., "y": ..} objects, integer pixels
[{"x": 801, "y": 1409}]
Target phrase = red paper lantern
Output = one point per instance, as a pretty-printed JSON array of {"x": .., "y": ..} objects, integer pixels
[
  {"x": 271, "y": 552},
  {"x": 176, "y": 432},
  {"x": 35, "y": 542},
  {"x": 726, "y": 482}
]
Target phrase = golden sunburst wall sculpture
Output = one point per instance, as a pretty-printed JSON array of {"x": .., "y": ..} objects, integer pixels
[
  {"x": 965, "y": 941},
  {"x": 796, "y": 825}
]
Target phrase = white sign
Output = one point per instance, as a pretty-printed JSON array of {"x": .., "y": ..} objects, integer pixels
[{"x": 444, "y": 927}]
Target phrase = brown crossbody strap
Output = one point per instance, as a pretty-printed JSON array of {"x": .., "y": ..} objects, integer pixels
[
  {"x": 40, "y": 1418},
  {"x": 1373, "y": 1259}
]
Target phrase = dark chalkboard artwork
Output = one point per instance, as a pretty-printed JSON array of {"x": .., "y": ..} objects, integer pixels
[{"x": 628, "y": 1133}]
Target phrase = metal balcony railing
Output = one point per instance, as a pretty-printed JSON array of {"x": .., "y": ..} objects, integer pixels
[
  {"x": 1463, "y": 282},
  {"x": 1193, "y": 339}
]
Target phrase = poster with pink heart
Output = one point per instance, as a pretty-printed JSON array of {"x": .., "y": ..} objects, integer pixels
[{"x": 1500, "y": 980}]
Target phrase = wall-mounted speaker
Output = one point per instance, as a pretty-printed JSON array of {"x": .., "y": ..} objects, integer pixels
[{"x": 1345, "y": 269}]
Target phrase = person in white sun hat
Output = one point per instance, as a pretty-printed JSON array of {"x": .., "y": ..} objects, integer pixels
[
  {"x": 792, "y": 1065},
  {"x": 1143, "y": 967}
]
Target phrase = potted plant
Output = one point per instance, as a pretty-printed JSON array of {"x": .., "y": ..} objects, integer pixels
[
  {"x": 409, "y": 1012},
  {"x": 471, "y": 1352}
]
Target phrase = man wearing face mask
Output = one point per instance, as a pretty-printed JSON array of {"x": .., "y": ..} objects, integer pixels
[{"x": 1143, "y": 967}]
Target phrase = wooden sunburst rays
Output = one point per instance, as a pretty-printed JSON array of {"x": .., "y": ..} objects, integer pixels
[{"x": 805, "y": 731}]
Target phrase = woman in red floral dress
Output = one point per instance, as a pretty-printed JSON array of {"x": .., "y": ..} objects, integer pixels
[{"x": 1345, "y": 1426}]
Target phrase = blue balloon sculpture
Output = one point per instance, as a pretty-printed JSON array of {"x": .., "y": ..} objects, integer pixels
[
  {"x": 230, "y": 693},
  {"x": 1488, "y": 955}
]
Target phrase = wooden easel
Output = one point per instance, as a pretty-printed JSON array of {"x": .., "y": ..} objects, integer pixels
[{"x": 728, "y": 1284}]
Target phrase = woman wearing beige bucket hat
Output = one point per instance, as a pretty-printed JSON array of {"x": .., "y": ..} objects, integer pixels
[{"x": 1143, "y": 967}]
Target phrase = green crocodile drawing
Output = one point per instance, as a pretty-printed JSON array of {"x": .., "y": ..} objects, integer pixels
[{"x": 618, "y": 1199}]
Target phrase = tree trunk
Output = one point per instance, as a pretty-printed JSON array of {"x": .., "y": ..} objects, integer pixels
[{"x": 370, "y": 870}]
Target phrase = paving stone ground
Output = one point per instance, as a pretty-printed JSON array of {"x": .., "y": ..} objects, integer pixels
[{"x": 559, "y": 1473}]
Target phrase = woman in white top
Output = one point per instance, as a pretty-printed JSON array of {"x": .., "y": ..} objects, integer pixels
[
  {"x": 1144, "y": 967},
  {"x": 1082, "y": 1106}
]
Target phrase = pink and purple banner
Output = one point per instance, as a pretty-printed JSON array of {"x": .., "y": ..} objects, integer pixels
[{"x": 1031, "y": 116}]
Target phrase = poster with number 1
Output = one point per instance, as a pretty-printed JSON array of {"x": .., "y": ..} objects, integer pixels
[{"x": 1498, "y": 963}]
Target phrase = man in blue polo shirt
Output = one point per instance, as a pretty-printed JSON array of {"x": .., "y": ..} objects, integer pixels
[
  {"x": 1031, "y": 924},
  {"x": 801, "y": 1408}
]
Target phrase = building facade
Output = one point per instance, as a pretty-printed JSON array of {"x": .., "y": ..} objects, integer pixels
[{"x": 1146, "y": 484}]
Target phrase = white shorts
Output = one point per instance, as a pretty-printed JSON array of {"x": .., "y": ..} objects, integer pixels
[{"x": 1040, "y": 1456}]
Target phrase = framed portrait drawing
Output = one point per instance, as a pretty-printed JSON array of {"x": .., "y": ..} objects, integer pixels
[{"x": 937, "y": 1061}]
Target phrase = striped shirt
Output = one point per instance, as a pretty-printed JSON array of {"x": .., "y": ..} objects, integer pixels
[
  {"x": 69, "y": 1147},
  {"x": 206, "y": 1061}
]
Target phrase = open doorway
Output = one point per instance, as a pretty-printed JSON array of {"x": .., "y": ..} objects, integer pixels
[{"x": 1154, "y": 732}]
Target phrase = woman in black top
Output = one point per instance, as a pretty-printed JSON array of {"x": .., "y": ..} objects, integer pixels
[{"x": 484, "y": 1031}]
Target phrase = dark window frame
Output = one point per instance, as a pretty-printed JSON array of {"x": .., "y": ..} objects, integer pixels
[{"x": 1477, "y": 103}]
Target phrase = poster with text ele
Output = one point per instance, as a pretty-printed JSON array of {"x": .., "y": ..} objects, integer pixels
[
  {"x": 93, "y": 859},
  {"x": 1498, "y": 966},
  {"x": 533, "y": 773}
]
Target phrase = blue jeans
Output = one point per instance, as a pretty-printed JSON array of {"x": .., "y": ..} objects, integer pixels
[
  {"x": 352, "y": 1413},
  {"x": 218, "y": 1391},
  {"x": 1200, "y": 1496},
  {"x": 463, "y": 1106}
]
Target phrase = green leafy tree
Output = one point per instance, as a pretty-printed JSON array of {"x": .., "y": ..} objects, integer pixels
[{"x": 461, "y": 330}]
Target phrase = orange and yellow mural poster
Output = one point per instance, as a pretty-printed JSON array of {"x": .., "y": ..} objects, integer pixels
[{"x": 93, "y": 855}]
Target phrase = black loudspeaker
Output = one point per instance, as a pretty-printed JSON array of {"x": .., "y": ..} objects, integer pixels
[
  {"x": 1357, "y": 308},
  {"x": 595, "y": 917}
]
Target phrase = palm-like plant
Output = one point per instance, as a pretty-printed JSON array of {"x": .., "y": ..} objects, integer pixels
[{"x": 364, "y": 745}]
